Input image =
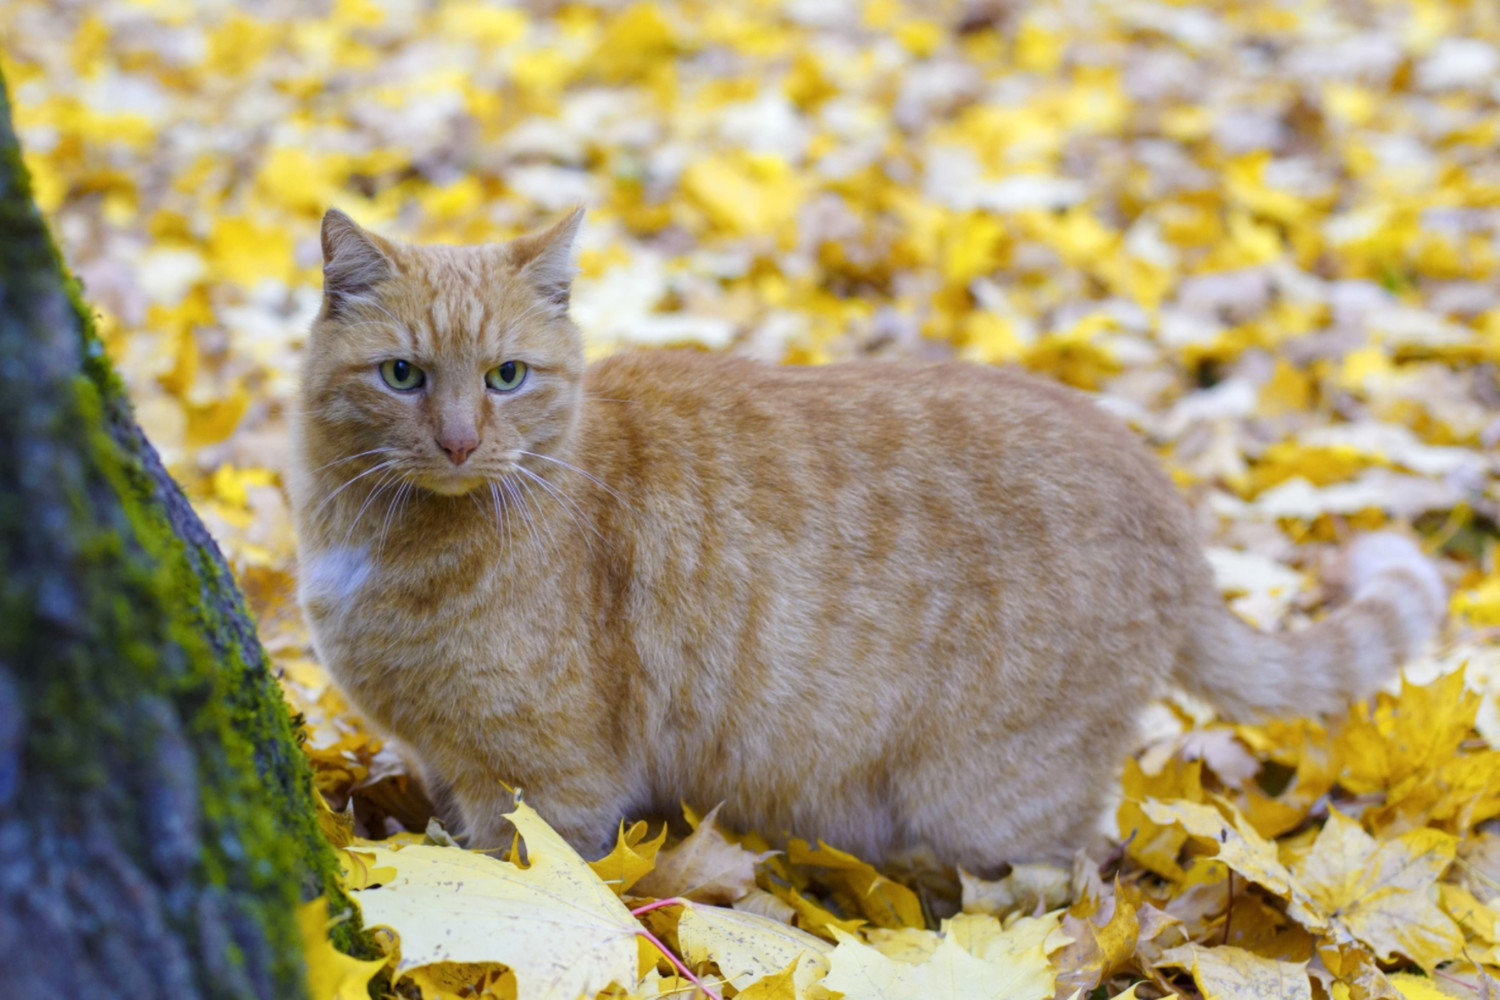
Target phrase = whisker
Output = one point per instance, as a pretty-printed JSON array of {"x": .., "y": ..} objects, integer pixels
[
  {"x": 590, "y": 477},
  {"x": 523, "y": 507},
  {"x": 572, "y": 509},
  {"x": 551, "y": 537},
  {"x": 398, "y": 497},
  {"x": 350, "y": 458},
  {"x": 495, "y": 505},
  {"x": 374, "y": 468},
  {"x": 502, "y": 516},
  {"x": 369, "y": 498},
  {"x": 380, "y": 487}
]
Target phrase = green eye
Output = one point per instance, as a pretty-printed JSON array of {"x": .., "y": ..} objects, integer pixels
[
  {"x": 403, "y": 375},
  {"x": 507, "y": 377}
]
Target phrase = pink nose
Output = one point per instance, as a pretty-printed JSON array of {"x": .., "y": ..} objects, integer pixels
[{"x": 459, "y": 448}]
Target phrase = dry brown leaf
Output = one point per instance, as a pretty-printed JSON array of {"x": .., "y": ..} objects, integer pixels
[{"x": 706, "y": 867}]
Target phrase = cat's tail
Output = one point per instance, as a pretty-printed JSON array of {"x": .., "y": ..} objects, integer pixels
[{"x": 1398, "y": 600}]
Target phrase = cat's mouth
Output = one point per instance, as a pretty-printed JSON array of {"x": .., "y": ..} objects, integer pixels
[{"x": 453, "y": 482}]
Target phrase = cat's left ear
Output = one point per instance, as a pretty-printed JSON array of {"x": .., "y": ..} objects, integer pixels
[
  {"x": 546, "y": 258},
  {"x": 354, "y": 260}
]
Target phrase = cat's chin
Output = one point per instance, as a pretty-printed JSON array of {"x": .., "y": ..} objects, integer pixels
[{"x": 452, "y": 486}]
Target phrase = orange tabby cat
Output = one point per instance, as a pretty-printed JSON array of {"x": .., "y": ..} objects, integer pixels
[{"x": 883, "y": 604}]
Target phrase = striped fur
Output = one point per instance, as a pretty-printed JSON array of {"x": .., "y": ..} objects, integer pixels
[{"x": 883, "y": 604}]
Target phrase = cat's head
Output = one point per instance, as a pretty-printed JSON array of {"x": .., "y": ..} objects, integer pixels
[{"x": 449, "y": 362}]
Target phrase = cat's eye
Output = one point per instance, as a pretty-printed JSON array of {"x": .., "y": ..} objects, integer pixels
[
  {"x": 402, "y": 374},
  {"x": 507, "y": 377}
]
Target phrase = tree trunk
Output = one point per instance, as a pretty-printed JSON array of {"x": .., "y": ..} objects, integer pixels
[{"x": 157, "y": 820}]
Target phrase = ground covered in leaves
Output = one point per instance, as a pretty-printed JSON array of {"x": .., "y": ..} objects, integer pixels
[{"x": 1265, "y": 233}]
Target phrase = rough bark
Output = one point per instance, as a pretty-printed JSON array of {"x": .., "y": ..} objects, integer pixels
[{"x": 157, "y": 821}]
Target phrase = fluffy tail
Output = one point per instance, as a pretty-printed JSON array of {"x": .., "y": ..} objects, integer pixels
[{"x": 1398, "y": 602}]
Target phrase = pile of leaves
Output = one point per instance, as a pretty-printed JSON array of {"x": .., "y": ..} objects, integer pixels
[
  {"x": 1297, "y": 860},
  {"x": 1264, "y": 233}
]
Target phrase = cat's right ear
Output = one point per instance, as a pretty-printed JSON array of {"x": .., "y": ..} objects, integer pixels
[{"x": 354, "y": 260}]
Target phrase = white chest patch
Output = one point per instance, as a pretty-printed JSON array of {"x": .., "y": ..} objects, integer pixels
[{"x": 333, "y": 577}]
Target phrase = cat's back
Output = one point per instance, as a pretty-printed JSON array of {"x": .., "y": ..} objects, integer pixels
[
  {"x": 884, "y": 487},
  {"x": 678, "y": 418}
]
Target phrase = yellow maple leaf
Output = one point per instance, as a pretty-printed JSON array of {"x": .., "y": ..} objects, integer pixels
[
  {"x": 554, "y": 923},
  {"x": 1150, "y": 844},
  {"x": 777, "y": 986},
  {"x": 1228, "y": 973},
  {"x": 1480, "y": 604},
  {"x": 883, "y": 902},
  {"x": 633, "y": 856},
  {"x": 861, "y": 972},
  {"x": 749, "y": 948},
  {"x": 1381, "y": 894},
  {"x": 1288, "y": 390},
  {"x": 1480, "y": 921},
  {"x": 744, "y": 194},
  {"x": 1414, "y": 987},
  {"x": 359, "y": 870},
  {"x": 1104, "y": 933},
  {"x": 1405, "y": 735},
  {"x": 460, "y": 981},
  {"x": 331, "y": 975},
  {"x": 810, "y": 915},
  {"x": 1238, "y": 845}
]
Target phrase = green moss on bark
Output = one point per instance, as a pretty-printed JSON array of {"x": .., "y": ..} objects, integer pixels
[{"x": 146, "y": 753}]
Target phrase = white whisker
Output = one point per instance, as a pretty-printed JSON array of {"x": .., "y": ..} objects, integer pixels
[
  {"x": 350, "y": 458},
  {"x": 590, "y": 477},
  {"x": 514, "y": 494},
  {"x": 567, "y": 504},
  {"x": 398, "y": 498},
  {"x": 542, "y": 518},
  {"x": 500, "y": 523},
  {"x": 329, "y": 499},
  {"x": 380, "y": 486}
]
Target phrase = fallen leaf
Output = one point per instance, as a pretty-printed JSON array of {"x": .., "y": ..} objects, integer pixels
[
  {"x": 1238, "y": 845},
  {"x": 748, "y": 948},
  {"x": 458, "y": 981},
  {"x": 331, "y": 974},
  {"x": 1235, "y": 974},
  {"x": 860, "y": 972},
  {"x": 1382, "y": 894},
  {"x": 1102, "y": 935},
  {"x": 1028, "y": 888},
  {"x": 706, "y": 867},
  {"x": 632, "y": 858},
  {"x": 777, "y": 986},
  {"x": 554, "y": 923},
  {"x": 883, "y": 902}
]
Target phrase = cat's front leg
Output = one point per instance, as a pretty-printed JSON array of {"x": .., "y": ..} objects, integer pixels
[{"x": 587, "y": 822}]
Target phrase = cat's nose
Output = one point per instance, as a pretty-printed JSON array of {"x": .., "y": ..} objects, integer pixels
[{"x": 458, "y": 446}]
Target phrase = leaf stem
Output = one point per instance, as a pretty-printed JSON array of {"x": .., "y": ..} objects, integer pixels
[
  {"x": 669, "y": 901},
  {"x": 1229, "y": 908},
  {"x": 677, "y": 962}
]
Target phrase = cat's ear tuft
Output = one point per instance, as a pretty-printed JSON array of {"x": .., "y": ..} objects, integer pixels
[
  {"x": 546, "y": 258},
  {"x": 354, "y": 260}
]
